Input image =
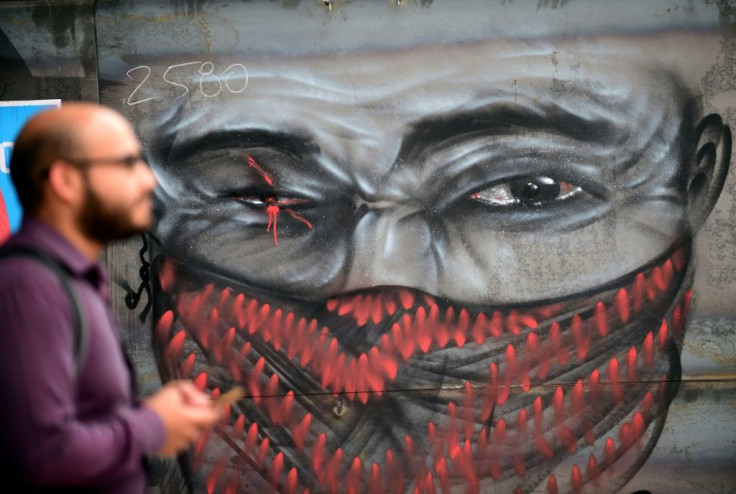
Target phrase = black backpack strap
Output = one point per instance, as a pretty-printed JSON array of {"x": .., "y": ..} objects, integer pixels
[{"x": 81, "y": 332}]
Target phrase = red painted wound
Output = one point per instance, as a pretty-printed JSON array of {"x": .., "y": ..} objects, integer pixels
[{"x": 252, "y": 163}]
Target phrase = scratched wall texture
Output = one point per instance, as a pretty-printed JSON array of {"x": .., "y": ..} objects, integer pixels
[{"x": 445, "y": 246}]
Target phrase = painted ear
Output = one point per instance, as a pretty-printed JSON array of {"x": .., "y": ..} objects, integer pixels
[{"x": 712, "y": 158}]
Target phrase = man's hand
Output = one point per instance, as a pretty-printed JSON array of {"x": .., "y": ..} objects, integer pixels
[{"x": 185, "y": 411}]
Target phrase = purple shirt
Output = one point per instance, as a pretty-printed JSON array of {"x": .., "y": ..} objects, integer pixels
[{"x": 61, "y": 427}]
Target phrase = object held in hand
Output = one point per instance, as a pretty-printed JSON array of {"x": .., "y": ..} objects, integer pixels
[{"x": 231, "y": 396}]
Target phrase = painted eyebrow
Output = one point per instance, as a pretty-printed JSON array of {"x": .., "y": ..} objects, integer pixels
[
  {"x": 508, "y": 119},
  {"x": 295, "y": 144}
]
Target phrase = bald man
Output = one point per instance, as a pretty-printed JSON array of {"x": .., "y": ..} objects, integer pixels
[{"x": 77, "y": 425}]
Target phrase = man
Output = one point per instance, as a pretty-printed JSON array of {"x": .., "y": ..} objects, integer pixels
[{"x": 82, "y": 180}]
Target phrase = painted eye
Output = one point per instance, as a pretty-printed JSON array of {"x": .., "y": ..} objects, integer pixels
[
  {"x": 527, "y": 191},
  {"x": 263, "y": 200}
]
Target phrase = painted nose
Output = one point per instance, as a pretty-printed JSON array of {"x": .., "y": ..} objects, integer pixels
[{"x": 392, "y": 246}]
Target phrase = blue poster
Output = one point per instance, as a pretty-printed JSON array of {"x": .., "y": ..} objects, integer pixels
[{"x": 13, "y": 115}]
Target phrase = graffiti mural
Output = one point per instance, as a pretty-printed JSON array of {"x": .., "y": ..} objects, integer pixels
[{"x": 456, "y": 258}]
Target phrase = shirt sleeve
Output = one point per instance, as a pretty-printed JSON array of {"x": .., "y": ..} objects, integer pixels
[{"x": 43, "y": 440}]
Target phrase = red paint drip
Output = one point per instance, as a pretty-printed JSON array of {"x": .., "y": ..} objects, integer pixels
[
  {"x": 567, "y": 438},
  {"x": 646, "y": 404},
  {"x": 163, "y": 327},
  {"x": 277, "y": 467},
  {"x": 318, "y": 455},
  {"x": 214, "y": 477},
  {"x": 263, "y": 452},
  {"x": 376, "y": 481},
  {"x": 576, "y": 479},
  {"x": 252, "y": 163},
  {"x": 678, "y": 259},
  {"x": 273, "y": 215},
  {"x": 496, "y": 327},
  {"x": 479, "y": 328},
  {"x": 582, "y": 340},
  {"x": 592, "y": 469},
  {"x": 356, "y": 470},
  {"x": 233, "y": 484},
  {"x": 577, "y": 397},
  {"x": 332, "y": 471},
  {"x": 662, "y": 340},
  {"x": 609, "y": 451},
  {"x": 292, "y": 480},
  {"x": 499, "y": 432},
  {"x": 299, "y": 217},
  {"x": 239, "y": 426},
  {"x": 512, "y": 323},
  {"x": 559, "y": 405},
  {"x": 626, "y": 436},
  {"x": 556, "y": 339},
  {"x": 167, "y": 275},
  {"x": 442, "y": 473},
  {"x": 252, "y": 438},
  {"x": 407, "y": 299},
  {"x": 613, "y": 373},
  {"x": 175, "y": 346},
  {"x": 482, "y": 443},
  {"x": 639, "y": 292},
  {"x": 201, "y": 381},
  {"x": 601, "y": 322},
  {"x": 188, "y": 365},
  {"x": 631, "y": 359},
  {"x": 622, "y": 305},
  {"x": 469, "y": 408}
]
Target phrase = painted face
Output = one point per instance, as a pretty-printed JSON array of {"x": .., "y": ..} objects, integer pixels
[{"x": 435, "y": 266}]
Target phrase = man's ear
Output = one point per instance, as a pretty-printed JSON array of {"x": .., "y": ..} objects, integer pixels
[
  {"x": 707, "y": 176},
  {"x": 64, "y": 182}
]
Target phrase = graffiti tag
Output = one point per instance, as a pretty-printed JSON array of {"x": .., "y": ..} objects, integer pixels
[{"x": 233, "y": 79}]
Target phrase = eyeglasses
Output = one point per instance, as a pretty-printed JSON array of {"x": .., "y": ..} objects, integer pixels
[{"x": 126, "y": 161}]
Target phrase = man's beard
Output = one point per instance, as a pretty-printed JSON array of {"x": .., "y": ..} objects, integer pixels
[{"x": 104, "y": 222}]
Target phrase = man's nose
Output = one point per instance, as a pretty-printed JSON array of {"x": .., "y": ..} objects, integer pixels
[
  {"x": 146, "y": 177},
  {"x": 392, "y": 246}
]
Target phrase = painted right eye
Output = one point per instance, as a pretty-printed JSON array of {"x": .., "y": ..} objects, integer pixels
[{"x": 527, "y": 192}]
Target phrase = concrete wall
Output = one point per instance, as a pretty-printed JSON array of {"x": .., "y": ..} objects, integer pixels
[{"x": 445, "y": 246}]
